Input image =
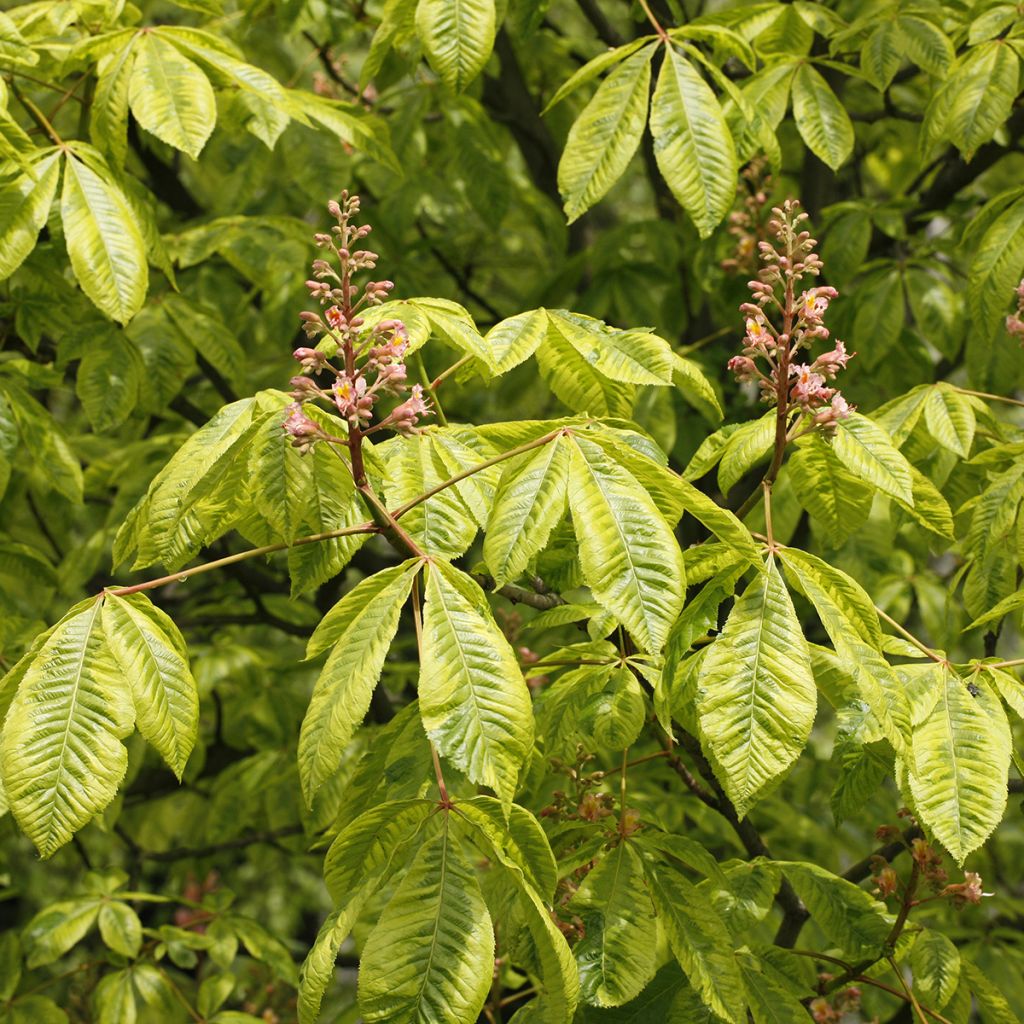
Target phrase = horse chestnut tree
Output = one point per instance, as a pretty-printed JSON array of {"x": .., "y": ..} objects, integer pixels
[{"x": 618, "y": 618}]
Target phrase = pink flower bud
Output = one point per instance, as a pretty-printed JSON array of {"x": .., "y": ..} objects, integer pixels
[{"x": 333, "y": 209}]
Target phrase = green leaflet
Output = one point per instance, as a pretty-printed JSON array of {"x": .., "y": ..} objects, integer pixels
[
  {"x": 743, "y": 449},
  {"x": 962, "y": 758},
  {"x": 926, "y": 44},
  {"x": 630, "y": 357},
  {"x": 473, "y": 699},
  {"x": 444, "y": 524},
  {"x": 61, "y": 753},
  {"x": 457, "y": 36},
  {"x": 834, "y": 497},
  {"x": 360, "y": 628},
  {"x": 604, "y": 138},
  {"x": 517, "y": 840},
  {"x": 692, "y": 143},
  {"x": 867, "y": 451},
  {"x": 983, "y": 88},
  {"x": 575, "y": 382},
  {"x": 108, "y": 117},
  {"x": 515, "y": 339},
  {"x": 770, "y": 1001},
  {"x": 150, "y": 653},
  {"x": 700, "y": 943},
  {"x": 114, "y": 999},
  {"x": 820, "y": 118},
  {"x": 630, "y": 558},
  {"x": 995, "y": 267},
  {"x": 195, "y": 495},
  {"x": 317, "y": 970},
  {"x": 847, "y": 914},
  {"x": 105, "y": 244},
  {"x": 848, "y": 616},
  {"x": 615, "y": 716},
  {"x": 990, "y": 1001},
  {"x": 719, "y": 521},
  {"x": 529, "y": 502},
  {"x": 120, "y": 928},
  {"x": 552, "y": 961},
  {"x": 881, "y": 54},
  {"x": 170, "y": 96},
  {"x": 616, "y": 957},
  {"x": 431, "y": 955},
  {"x": 935, "y": 964},
  {"x": 844, "y": 594},
  {"x": 281, "y": 478},
  {"x": 593, "y": 68},
  {"x": 57, "y": 928},
  {"x": 109, "y": 379},
  {"x": 24, "y": 207},
  {"x": 756, "y": 694},
  {"x": 949, "y": 417}
]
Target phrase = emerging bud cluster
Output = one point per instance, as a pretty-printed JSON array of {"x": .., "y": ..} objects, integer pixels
[
  {"x": 782, "y": 319},
  {"x": 747, "y": 225},
  {"x": 1015, "y": 321},
  {"x": 374, "y": 356}
]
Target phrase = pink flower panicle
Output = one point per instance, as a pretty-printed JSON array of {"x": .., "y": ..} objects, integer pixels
[
  {"x": 782, "y": 319},
  {"x": 1015, "y": 321},
  {"x": 373, "y": 353},
  {"x": 747, "y": 224}
]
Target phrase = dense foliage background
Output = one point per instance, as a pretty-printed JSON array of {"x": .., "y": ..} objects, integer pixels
[{"x": 164, "y": 167}]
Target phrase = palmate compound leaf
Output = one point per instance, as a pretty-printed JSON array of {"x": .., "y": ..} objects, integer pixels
[
  {"x": 617, "y": 955},
  {"x": 430, "y": 957},
  {"x": 962, "y": 758},
  {"x": 756, "y": 696},
  {"x": 150, "y": 653},
  {"x": 605, "y": 136},
  {"x": 359, "y": 628},
  {"x": 473, "y": 698},
  {"x": 630, "y": 557},
  {"x": 61, "y": 752},
  {"x": 529, "y": 503},
  {"x": 692, "y": 143},
  {"x": 701, "y": 944}
]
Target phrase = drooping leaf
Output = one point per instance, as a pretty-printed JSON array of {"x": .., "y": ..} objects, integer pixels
[
  {"x": 616, "y": 957},
  {"x": 105, "y": 245},
  {"x": 151, "y": 655},
  {"x": 431, "y": 954},
  {"x": 457, "y": 36},
  {"x": 170, "y": 96},
  {"x": 24, "y": 206},
  {"x": 692, "y": 143},
  {"x": 473, "y": 699},
  {"x": 61, "y": 752},
  {"x": 630, "y": 558},
  {"x": 359, "y": 628},
  {"x": 820, "y": 117},
  {"x": 756, "y": 696},
  {"x": 962, "y": 754},
  {"x": 606, "y": 135},
  {"x": 700, "y": 943}
]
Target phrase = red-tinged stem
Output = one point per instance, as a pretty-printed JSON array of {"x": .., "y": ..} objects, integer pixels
[
  {"x": 990, "y": 397},
  {"x": 662, "y": 34},
  {"x": 241, "y": 556},
  {"x": 922, "y": 647}
]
